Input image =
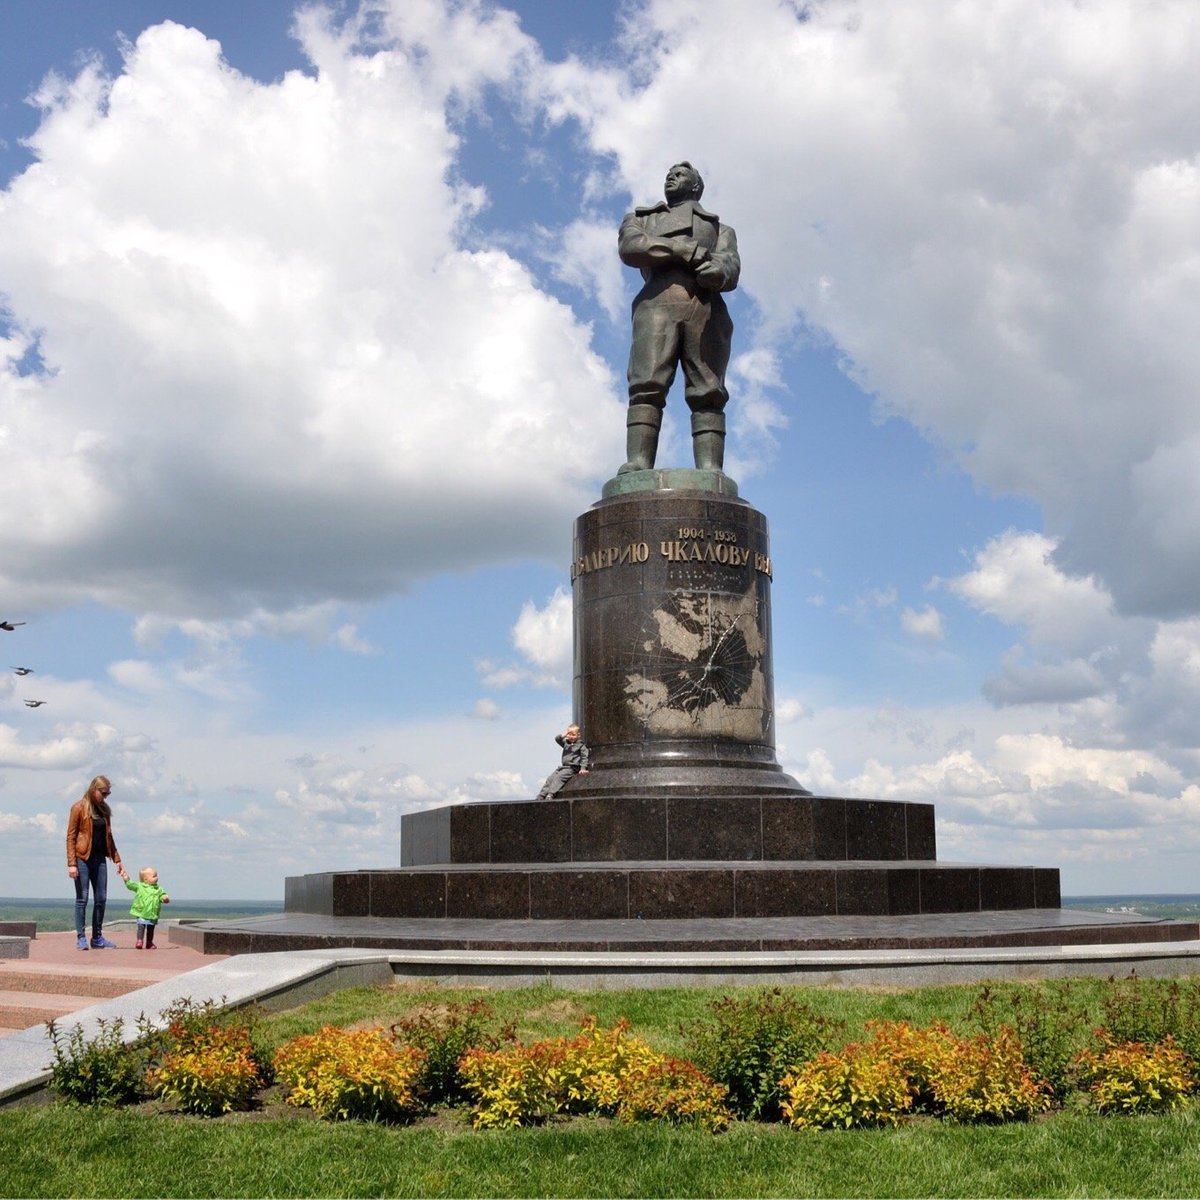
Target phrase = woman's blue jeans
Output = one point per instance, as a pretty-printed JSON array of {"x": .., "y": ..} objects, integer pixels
[{"x": 93, "y": 872}]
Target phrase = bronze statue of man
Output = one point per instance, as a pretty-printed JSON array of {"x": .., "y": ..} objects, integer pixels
[{"x": 687, "y": 258}]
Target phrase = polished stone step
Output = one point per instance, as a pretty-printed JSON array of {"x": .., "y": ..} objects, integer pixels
[
  {"x": 667, "y": 890},
  {"x": 673, "y": 828}
]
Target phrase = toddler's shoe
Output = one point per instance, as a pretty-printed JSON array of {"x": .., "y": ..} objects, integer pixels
[
  {"x": 152, "y": 946},
  {"x": 81, "y": 944},
  {"x": 138, "y": 944},
  {"x": 102, "y": 943}
]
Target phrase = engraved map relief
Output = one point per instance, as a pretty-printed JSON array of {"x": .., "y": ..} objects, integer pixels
[{"x": 706, "y": 669}]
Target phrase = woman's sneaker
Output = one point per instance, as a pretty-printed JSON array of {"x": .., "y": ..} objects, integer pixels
[
  {"x": 102, "y": 943},
  {"x": 81, "y": 944}
]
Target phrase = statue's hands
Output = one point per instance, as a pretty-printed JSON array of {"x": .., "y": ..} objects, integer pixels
[{"x": 710, "y": 275}]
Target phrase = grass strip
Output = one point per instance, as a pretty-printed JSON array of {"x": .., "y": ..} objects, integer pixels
[{"x": 129, "y": 1155}]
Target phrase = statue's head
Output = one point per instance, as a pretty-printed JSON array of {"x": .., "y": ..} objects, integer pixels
[{"x": 683, "y": 183}]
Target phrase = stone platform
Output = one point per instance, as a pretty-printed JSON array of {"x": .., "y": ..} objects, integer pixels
[
  {"x": 658, "y": 856},
  {"x": 805, "y": 935}
]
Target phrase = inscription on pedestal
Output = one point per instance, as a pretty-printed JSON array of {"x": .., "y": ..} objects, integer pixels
[{"x": 672, "y": 611}]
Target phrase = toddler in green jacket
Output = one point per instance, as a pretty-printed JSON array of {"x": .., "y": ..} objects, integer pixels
[{"x": 147, "y": 903}]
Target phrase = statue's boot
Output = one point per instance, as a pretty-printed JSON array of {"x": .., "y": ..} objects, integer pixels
[
  {"x": 641, "y": 437},
  {"x": 708, "y": 440}
]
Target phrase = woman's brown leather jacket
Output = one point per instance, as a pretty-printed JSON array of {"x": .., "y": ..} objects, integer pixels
[{"x": 79, "y": 835}]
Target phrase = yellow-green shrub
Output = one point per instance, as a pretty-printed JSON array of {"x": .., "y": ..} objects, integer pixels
[
  {"x": 982, "y": 1078},
  {"x": 343, "y": 1073},
  {"x": 903, "y": 1068},
  {"x": 1133, "y": 1077},
  {"x": 518, "y": 1085},
  {"x": 676, "y": 1092},
  {"x": 597, "y": 1063},
  {"x": 916, "y": 1050},
  {"x": 604, "y": 1071},
  {"x": 987, "y": 1079},
  {"x": 209, "y": 1071},
  {"x": 523, "y": 1085},
  {"x": 857, "y": 1086}
]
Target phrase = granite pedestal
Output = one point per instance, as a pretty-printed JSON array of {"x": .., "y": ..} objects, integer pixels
[{"x": 685, "y": 822}]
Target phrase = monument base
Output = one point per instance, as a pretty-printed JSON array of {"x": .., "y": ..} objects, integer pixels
[
  {"x": 656, "y": 891},
  {"x": 671, "y": 858}
]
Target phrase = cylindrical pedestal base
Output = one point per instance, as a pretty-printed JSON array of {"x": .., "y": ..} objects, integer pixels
[{"x": 673, "y": 675}]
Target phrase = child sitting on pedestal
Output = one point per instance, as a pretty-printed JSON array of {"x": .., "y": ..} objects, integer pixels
[{"x": 575, "y": 761}]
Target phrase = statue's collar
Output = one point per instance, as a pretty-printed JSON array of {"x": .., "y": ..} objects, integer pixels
[{"x": 663, "y": 206}]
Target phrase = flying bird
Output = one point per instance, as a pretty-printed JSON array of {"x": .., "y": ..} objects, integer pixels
[
  {"x": 10, "y": 625},
  {"x": 34, "y": 703},
  {"x": 23, "y": 670}
]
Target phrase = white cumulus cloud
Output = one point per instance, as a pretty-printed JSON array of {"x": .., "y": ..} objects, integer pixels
[
  {"x": 925, "y": 625},
  {"x": 278, "y": 367}
]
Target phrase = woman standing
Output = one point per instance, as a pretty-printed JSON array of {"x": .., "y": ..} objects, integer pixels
[{"x": 89, "y": 846}]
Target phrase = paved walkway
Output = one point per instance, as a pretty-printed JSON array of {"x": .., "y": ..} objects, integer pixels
[
  {"x": 57, "y": 979},
  {"x": 169, "y": 958}
]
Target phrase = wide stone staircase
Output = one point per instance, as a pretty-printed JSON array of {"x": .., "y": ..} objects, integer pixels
[{"x": 33, "y": 993}]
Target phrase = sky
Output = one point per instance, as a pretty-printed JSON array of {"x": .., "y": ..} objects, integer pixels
[{"x": 312, "y": 347}]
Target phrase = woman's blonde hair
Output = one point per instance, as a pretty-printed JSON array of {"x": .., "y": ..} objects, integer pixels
[{"x": 98, "y": 804}]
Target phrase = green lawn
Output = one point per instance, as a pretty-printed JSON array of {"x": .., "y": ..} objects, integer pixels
[
  {"x": 660, "y": 1015},
  {"x": 53, "y": 1150}
]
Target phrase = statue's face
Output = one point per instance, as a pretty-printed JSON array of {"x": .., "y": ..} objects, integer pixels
[{"x": 680, "y": 185}]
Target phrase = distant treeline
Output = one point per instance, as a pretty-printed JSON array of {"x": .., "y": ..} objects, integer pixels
[
  {"x": 1167, "y": 906},
  {"x": 53, "y": 916}
]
